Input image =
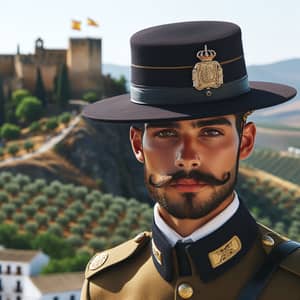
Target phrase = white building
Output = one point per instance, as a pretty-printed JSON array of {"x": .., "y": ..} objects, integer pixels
[{"x": 19, "y": 279}]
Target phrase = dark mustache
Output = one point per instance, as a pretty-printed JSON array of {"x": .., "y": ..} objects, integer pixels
[{"x": 194, "y": 174}]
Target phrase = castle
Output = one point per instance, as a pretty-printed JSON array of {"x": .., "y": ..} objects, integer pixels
[{"x": 82, "y": 58}]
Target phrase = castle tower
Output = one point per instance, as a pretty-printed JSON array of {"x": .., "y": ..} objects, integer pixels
[{"x": 84, "y": 65}]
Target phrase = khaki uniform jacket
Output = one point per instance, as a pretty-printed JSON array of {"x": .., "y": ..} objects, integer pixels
[{"x": 127, "y": 272}]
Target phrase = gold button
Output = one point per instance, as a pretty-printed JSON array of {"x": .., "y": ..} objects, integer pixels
[
  {"x": 185, "y": 291},
  {"x": 140, "y": 237},
  {"x": 268, "y": 240}
]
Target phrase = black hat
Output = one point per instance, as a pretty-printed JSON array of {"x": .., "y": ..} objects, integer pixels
[{"x": 188, "y": 70}]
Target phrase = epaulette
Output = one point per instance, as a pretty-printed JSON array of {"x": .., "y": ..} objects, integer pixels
[
  {"x": 271, "y": 239},
  {"x": 113, "y": 256}
]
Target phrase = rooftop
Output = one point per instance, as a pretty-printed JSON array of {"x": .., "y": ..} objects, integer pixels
[
  {"x": 61, "y": 282},
  {"x": 17, "y": 255}
]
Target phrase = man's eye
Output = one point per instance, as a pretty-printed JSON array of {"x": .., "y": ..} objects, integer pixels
[
  {"x": 211, "y": 132},
  {"x": 166, "y": 133}
]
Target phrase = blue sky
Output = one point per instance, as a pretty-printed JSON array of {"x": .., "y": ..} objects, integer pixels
[{"x": 271, "y": 30}]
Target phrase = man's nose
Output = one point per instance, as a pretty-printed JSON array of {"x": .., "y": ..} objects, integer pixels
[{"x": 187, "y": 157}]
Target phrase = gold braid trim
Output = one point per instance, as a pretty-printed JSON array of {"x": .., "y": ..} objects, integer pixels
[{"x": 183, "y": 67}]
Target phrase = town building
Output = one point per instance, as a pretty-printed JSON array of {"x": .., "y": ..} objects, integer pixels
[
  {"x": 82, "y": 58},
  {"x": 20, "y": 278}
]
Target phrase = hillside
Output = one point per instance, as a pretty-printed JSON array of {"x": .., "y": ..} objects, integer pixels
[{"x": 279, "y": 164}]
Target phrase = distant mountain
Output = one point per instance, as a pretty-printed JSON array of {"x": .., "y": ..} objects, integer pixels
[{"x": 287, "y": 72}]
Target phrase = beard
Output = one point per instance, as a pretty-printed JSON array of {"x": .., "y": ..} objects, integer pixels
[{"x": 192, "y": 205}]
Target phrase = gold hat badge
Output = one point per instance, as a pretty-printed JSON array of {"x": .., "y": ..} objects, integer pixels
[{"x": 207, "y": 73}]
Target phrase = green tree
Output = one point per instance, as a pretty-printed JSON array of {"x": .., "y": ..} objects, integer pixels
[
  {"x": 2, "y": 103},
  {"x": 18, "y": 96},
  {"x": 28, "y": 145},
  {"x": 7, "y": 234},
  {"x": 52, "y": 245},
  {"x": 62, "y": 92},
  {"x": 30, "y": 109},
  {"x": 90, "y": 97},
  {"x": 51, "y": 123},
  {"x": 13, "y": 149},
  {"x": 65, "y": 118},
  {"x": 70, "y": 264},
  {"x": 10, "y": 131},
  {"x": 39, "y": 90}
]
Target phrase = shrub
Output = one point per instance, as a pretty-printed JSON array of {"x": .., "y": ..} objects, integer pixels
[
  {"x": 35, "y": 126},
  {"x": 85, "y": 220},
  {"x": 4, "y": 197},
  {"x": 30, "y": 109},
  {"x": 6, "y": 176},
  {"x": 53, "y": 246},
  {"x": 24, "y": 197},
  {"x": 52, "y": 211},
  {"x": 90, "y": 97},
  {"x": 98, "y": 244},
  {"x": 116, "y": 240},
  {"x": 71, "y": 213},
  {"x": 55, "y": 229},
  {"x": 68, "y": 189},
  {"x": 63, "y": 220},
  {"x": 111, "y": 216},
  {"x": 30, "y": 210},
  {"x": 78, "y": 229},
  {"x": 2, "y": 152},
  {"x": 49, "y": 191},
  {"x": 18, "y": 95},
  {"x": 31, "y": 227},
  {"x": 80, "y": 192},
  {"x": 51, "y": 123},
  {"x": 13, "y": 149},
  {"x": 10, "y": 131},
  {"x": 100, "y": 232},
  {"x": 40, "y": 200},
  {"x": 89, "y": 199},
  {"x": 13, "y": 188},
  {"x": 77, "y": 206},
  {"x": 116, "y": 208},
  {"x": 75, "y": 240},
  {"x": 92, "y": 214},
  {"x": 96, "y": 194},
  {"x": 121, "y": 231},
  {"x": 8, "y": 208},
  {"x": 64, "y": 118},
  {"x": 20, "y": 218},
  {"x": 107, "y": 199},
  {"x": 28, "y": 145},
  {"x": 98, "y": 206},
  {"x": 56, "y": 185},
  {"x": 60, "y": 200},
  {"x": 2, "y": 217},
  {"x": 41, "y": 219},
  {"x": 40, "y": 183},
  {"x": 22, "y": 180},
  {"x": 106, "y": 222},
  {"x": 31, "y": 189}
]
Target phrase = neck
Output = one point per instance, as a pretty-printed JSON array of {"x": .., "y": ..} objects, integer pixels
[{"x": 185, "y": 227}]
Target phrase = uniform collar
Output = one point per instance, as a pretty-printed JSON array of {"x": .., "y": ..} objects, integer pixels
[
  {"x": 173, "y": 237},
  {"x": 209, "y": 256}
]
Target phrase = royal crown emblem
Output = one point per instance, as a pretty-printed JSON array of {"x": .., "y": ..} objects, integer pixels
[{"x": 207, "y": 73}]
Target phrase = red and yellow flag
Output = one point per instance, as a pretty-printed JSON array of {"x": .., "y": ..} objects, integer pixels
[
  {"x": 91, "y": 22},
  {"x": 76, "y": 25}
]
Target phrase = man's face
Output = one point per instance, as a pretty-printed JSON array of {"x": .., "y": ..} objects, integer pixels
[{"x": 190, "y": 166}]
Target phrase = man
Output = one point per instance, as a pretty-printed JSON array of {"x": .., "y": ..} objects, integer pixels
[{"x": 189, "y": 101}]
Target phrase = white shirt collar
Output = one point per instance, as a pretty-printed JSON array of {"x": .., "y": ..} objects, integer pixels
[{"x": 173, "y": 237}]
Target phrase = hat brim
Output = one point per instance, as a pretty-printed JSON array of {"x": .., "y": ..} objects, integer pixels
[{"x": 120, "y": 109}]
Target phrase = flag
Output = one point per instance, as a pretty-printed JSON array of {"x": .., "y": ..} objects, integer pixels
[
  {"x": 76, "y": 25},
  {"x": 91, "y": 22}
]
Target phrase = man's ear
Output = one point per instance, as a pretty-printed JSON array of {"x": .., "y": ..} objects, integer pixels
[
  {"x": 248, "y": 140},
  {"x": 136, "y": 140}
]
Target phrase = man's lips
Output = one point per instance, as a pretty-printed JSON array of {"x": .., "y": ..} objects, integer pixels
[{"x": 188, "y": 184}]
